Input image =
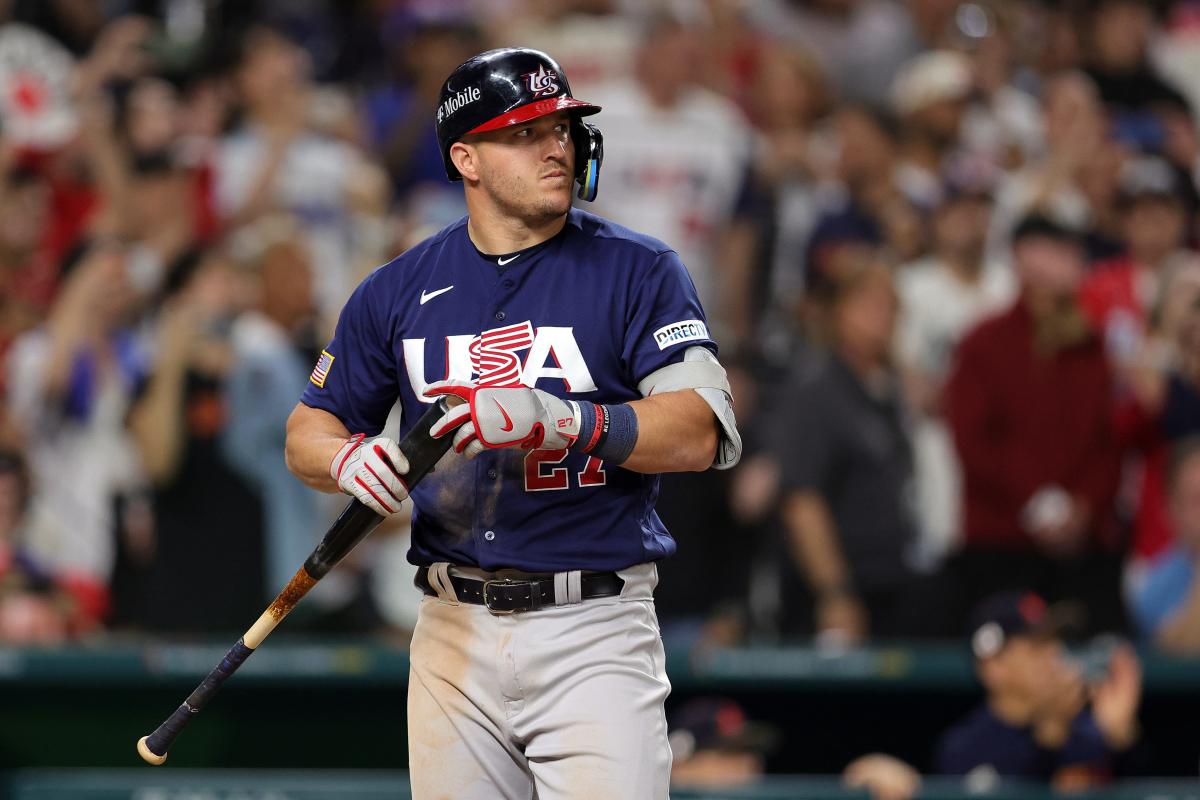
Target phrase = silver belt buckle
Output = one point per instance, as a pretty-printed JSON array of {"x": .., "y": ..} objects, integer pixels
[{"x": 487, "y": 602}]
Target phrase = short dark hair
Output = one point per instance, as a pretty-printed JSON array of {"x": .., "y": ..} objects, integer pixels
[
  {"x": 1184, "y": 451},
  {"x": 1040, "y": 226}
]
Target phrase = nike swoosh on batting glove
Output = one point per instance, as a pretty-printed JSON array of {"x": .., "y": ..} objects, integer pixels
[{"x": 495, "y": 417}]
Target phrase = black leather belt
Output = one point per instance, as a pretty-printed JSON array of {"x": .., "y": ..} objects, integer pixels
[{"x": 513, "y": 595}]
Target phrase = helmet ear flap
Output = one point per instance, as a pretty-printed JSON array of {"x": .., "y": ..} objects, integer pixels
[{"x": 589, "y": 154}]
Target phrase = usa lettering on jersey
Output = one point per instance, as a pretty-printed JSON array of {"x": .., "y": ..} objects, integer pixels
[{"x": 494, "y": 356}]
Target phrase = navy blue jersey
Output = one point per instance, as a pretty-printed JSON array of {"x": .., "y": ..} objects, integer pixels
[{"x": 585, "y": 315}]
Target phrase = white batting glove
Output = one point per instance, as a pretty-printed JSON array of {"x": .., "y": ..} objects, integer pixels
[
  {"x": 505, "y": 417},
  {"x": 370, "y": 470}
]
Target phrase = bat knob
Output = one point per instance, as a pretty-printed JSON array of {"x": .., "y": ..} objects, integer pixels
[{"x": 148, "y": 755}]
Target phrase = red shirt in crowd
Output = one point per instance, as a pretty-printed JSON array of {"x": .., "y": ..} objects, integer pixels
[
  {"x": 1116, "y": 305},
  {"x": 1022, "y": 421}
]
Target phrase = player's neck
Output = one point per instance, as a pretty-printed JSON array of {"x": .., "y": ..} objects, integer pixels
[{"x": 497, "y": 235}]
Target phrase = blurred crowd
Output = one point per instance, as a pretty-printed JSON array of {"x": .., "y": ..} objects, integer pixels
[{"x": 947, "y": 247}]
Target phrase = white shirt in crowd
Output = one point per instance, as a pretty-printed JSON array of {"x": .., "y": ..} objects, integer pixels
[
  {"x": 78, "y": 465},
  {"x": 674, "y": 174},
  {"x": 937, "y": 309},
  {"x": 312, "y": 183}
]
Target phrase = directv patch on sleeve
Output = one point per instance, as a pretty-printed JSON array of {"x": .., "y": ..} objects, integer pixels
[
  {"x": 321, "y": 370},
  {"x": 688, "y": 330}
]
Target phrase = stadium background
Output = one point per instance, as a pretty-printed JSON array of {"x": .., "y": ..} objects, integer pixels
[{"x": 191, "y": 188}]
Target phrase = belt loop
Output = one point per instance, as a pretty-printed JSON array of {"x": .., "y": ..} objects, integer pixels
[
  {"x": 560, "y": 589},
  {"x": 575, "y": 586},
  {"x": 439, "y": 579}
]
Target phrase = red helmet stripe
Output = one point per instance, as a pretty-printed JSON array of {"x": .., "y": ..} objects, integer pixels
[{"x": 538, "y": 108}]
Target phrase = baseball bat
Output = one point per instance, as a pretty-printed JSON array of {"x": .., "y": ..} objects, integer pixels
[{"x": 350, "y": 528}]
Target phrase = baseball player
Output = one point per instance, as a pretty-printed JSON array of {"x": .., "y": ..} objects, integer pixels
[{"x": 582, "y": 356}]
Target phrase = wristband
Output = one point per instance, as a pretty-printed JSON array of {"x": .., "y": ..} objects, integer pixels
[{"x": 608, "y": 432}]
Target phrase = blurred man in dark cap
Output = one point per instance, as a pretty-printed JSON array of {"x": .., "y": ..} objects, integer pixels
[
  {"x": 1029, "y": 404},
  {"x": 1040, "y": 719},
  {"x": 714, "y": 745}
]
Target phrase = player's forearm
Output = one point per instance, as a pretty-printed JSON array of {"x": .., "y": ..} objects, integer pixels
[
  {"x": 313, "y": 437},
  {"x": 677, "y": 432}
]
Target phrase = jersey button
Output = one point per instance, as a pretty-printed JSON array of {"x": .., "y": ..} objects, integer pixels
[
  {"x": 507, "y": 284},
  {"x": 491, "y": 473},
  {"x": 500, "y": 315},
  {"x": 489, "y": 535}
]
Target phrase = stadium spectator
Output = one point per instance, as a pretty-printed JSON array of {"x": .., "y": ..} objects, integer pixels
[
  {"x": 871, "y": 208},
  {"x": 884, "y": 777},
  {"x": 1119, "y": 294},
  {"x": 598, "y": 43},
  {"x": 34, "y": 610},
  {"x": 714, "y": 745},
  {"x": 1041, "y": 719},
  {"x": 1070, "y": 183},
  {"x": 942, "y": 296},
  {"x": 1134, "y": 303},
  {"x": 1002, "y": 128},
  {"x": 929, "y": 97},
  {"x": 28, "y": 272},
  {"x": 678, "y": 158},
  {"x": 846, "y": 464},
  {"x": 199, "y": 502},
  {"x": 1161, "y": 404},
  {"x": 1181, "y": 404},
  {"x": 274, "y": 347},
  {"x": 284, "y": 157},
  {"x": 70, "y": 384},
  {"x": 1167, "y": 604},
  {"x": 1029, "y": 403},
  {"x": 859, "y": 44},
  {"x": 787, "y": 97},
  {"x": 398, "y": 114},
  {"x": 1118, "y": 35}
]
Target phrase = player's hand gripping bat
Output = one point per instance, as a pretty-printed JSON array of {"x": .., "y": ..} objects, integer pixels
[{"x": 350, "y": 528}]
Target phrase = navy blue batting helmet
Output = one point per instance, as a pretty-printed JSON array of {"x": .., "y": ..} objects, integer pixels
[{"x": 509, "y": 86}]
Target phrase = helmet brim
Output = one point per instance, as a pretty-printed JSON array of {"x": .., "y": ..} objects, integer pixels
[{"x": 538, "y": 108}]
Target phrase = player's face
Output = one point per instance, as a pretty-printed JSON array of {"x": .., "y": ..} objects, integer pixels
[{"x": 527, "y": 169}]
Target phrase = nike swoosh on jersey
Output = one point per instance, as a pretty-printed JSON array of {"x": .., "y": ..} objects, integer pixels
[
  {"x": 503, "y": 261},
  {"x": 508, "y": 423},
  {"x": 427, "y": 296}
]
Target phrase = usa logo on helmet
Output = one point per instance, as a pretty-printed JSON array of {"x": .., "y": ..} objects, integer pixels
[{"x": 543, "y": 83}]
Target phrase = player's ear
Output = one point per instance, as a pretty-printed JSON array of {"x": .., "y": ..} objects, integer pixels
[{"x": 465, "y": 158}]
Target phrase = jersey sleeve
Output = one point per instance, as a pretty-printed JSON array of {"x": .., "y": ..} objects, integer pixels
[
  {"x": 355, "y": 377},
  {"x": 664, "y": 319}
]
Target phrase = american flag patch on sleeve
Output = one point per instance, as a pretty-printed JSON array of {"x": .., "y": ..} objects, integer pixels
[{"x": 321, "y": 370}]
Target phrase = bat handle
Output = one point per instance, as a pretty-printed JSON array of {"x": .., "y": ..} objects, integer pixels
[{"x": 153, "y": 748}]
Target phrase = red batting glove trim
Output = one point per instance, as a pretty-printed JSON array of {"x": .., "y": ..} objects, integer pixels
[
  {"x": 354, "y": 441},
  {"x": 381, "y": 483},
  {"x": 384, "y": 505},
  {"x": 535, "y": 438},
  {"x": 462, "y": 392}
]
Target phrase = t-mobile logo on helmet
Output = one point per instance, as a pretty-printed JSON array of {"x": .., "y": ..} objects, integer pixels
[
  {"x": 456, "y": 101},
  {"x": 542, "y": 83}
]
